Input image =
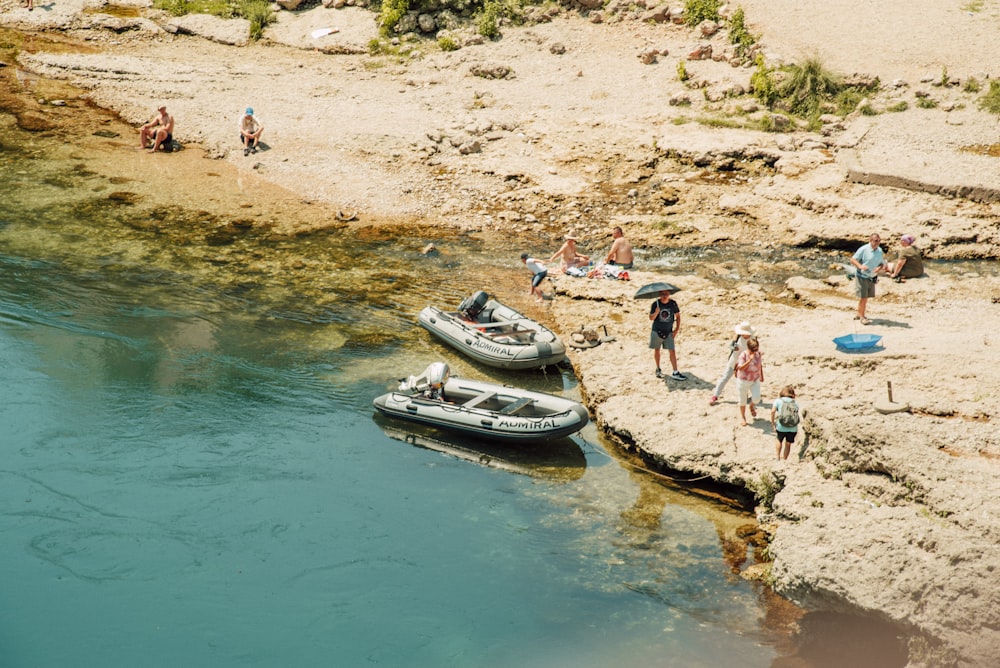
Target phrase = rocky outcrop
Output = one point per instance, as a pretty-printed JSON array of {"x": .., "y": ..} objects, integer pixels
[
  {"x": 894, "y": 515},
  {"x": 234, "y": 32}
]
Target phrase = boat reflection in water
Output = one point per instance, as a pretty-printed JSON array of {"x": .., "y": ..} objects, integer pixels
[{"x": 559, "y": 459}]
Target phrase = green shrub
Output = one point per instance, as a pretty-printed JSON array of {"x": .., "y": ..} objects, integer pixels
[
  {"x": 763, "y": 84},
  {"x": 682, "y": 72},
  {"x": 765, "y": 488},
  {"x": 696, "y": 11},
  {"x": 738, "y": 33},
  {"x": 991, "y": 100},
  {"x": 173, "y": 7},
  {"x": 390, "y": 14},
  {"x": 926, "y": 102},
  {"x": 180, "y": 7},
  {"x": 972, "y": 85},
  {"x": 257, "y": 12},
  {"x": 716, "y": 122},
  {"x": 847, "y": 100},
  {"x": 902, "y": 105},
  {"x": 446, "y": 43},
  {"x": 807, "y": 86},
  {"x": 489, "y": 17}
]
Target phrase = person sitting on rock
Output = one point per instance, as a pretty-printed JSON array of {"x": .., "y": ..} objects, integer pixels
[
  {"x": 160, "y": 131},
  {"x": 250, "y": 131},
  {"x": 908, "y": 263},
  {"x": 568, "y": 256},
  {"x": 621, "y": 253}
]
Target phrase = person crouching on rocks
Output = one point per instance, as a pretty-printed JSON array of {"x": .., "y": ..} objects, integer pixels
[
  {"x": 250, "y": 131},
  {"x": 538, "y": 274}
]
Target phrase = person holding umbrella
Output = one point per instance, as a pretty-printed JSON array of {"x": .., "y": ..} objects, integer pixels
[{"x": 666, "y": 318}]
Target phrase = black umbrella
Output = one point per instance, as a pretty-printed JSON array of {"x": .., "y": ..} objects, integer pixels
[{"x": 654, "y": 290}]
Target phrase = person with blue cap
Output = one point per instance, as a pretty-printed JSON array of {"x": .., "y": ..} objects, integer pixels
[{"x": 250, "y": 131}]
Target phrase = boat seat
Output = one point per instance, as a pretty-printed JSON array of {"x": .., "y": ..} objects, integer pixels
[
  {"x": 475, "y": 401},
  {"x": 511, "y": 409}
]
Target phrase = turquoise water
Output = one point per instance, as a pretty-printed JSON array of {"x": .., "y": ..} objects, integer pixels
[
  {"x": 192, "y": 474},
  {"x": 169, "y": 501}
]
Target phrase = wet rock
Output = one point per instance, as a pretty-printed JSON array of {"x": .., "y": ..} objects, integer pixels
[
  {"x": 124, "y": 197},
  {"x": 34, "y": 122}
]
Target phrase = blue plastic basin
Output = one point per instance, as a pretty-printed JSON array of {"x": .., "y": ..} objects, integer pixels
[{"x": 857, "y": 341}]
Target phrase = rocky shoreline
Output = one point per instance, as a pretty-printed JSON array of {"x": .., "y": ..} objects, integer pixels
[{"x": 887, "y": 514}]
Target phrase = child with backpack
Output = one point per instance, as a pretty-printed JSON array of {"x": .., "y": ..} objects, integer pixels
[{"x": 785, "y": 418}]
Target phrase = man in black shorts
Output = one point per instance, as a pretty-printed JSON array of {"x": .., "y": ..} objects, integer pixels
[{"x": 160, "y": 131}]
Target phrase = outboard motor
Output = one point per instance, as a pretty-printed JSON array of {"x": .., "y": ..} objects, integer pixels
[
  {"x": 473, "y": 305},
  {"x": 432, "y": 379},
  {"x": 437, "y": 374}
]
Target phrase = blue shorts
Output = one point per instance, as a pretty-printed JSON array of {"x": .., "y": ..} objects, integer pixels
[{"x": 538, "y": 278}]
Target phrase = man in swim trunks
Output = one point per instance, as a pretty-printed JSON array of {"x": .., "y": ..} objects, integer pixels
[
  {"x": 621, "y": 250},
  {"x": 160, "y": 131}
]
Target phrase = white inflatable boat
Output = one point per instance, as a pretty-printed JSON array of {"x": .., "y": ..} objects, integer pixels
[
  {"x": 494, "y": 334},
  {"x": 478, "y": 408}
]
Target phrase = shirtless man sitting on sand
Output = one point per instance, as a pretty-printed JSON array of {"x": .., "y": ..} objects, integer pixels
[
  {"x": 568, "y": 255},
  {"x": 621, "y": 251},
  {"x": 160, "y": 130}
]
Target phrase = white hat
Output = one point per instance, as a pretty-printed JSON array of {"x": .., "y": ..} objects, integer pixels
[
  {"x": 744, "y": 329},
  {"x": 570, "y": 235}
]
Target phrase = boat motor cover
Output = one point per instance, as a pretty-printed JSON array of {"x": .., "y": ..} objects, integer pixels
[
  {"x": 437, "y": 374},
  {"x": 434, "y": 376},
  {"x": 473, "y": 305}
]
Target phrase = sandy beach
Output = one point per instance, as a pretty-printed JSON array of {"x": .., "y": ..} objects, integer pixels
[{"x": 892, "y": 513}]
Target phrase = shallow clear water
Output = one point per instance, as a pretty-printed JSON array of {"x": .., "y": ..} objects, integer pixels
[
  {"x": 192, "y": 474},
  {"x": 175, "y": 492}
]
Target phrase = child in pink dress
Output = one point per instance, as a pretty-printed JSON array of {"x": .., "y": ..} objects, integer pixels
[{"x": 749, "y": 376}]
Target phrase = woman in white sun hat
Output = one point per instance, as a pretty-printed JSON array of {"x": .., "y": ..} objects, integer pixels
[{"x": 744, "y": 332}]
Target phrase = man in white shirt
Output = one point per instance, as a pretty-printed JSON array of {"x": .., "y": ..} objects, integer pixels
[{"x": 538, "y": 274}]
